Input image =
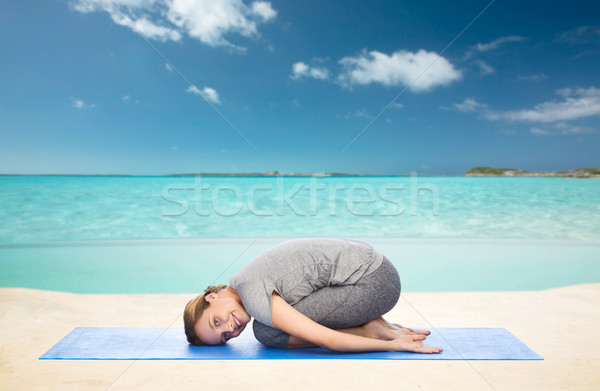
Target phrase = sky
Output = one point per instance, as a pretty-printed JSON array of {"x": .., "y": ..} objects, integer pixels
[{"x": 156, "y": 87}]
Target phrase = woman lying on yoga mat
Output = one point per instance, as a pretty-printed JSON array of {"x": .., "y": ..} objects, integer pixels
[{"x": 330, "y": 293}]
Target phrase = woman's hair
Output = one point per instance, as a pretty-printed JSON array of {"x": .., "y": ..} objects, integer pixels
[{"x": 193, "y": 311}]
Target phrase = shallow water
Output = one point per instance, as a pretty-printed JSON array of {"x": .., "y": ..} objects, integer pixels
[
  {"x": 40, "y": 209},
  {"x": 180, "y": 234},
  {"x": 189, "y": 265}
]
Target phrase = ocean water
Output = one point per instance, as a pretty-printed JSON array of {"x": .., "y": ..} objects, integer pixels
[
  {"x": 180, "y": 234},
  {"x": 190, "y": 265},
  {"x": 49, "y": 209}
]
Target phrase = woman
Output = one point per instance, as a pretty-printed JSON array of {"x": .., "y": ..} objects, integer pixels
[{"x": 330, "y": 293}]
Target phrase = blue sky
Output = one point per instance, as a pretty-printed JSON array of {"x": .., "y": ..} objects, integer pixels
[{"x": 149, "y": 87}]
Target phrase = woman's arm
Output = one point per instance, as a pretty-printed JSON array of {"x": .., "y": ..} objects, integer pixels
[{"x": 288, "y": 319}]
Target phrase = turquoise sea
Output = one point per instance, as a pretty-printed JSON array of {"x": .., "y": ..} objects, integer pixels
[
  {"x": 178, "y": 234},
  {"x": 42, "y": 209}
]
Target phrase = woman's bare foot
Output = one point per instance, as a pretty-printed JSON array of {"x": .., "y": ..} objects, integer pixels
[
  {"x": 381, "y": 329},
  {"x": 401, "y": 330},
  {"x": 377, "y": 329}
]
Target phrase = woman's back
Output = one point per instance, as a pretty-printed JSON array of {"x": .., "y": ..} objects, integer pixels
[{"x": 296, "y": 268}]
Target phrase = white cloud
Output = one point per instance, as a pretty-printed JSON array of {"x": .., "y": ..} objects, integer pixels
[
  {"x": 579, "y": 103},
  {"x": 579, "y": 130},
  {"x": 208, "y": 21},
  {"x": 566, "y": 128},
  {"x": 576, "y": 104},
  {"x": 264, "y": 10},
  {"x": 194, "y": 90},
  {"x": 207, "y": 93},
  {"x": 535, "y": 77},
  {"x": 484, "y": 68},
  {"x": 127, "y": 98},
  {"x": 420, "y": 70},
  {"x": 564, "y": 91},
  {"x": 94, "y": 5},
  {"x": 495, "y": 44},
  {"x": 396, "y": 105},
  {"x": 580, "y": 35},
  {"x": 80, "y": 104},
  {"x": 361, "y": 113},
  {"x": 211, "y": 95},
  {"x": 563, "y": 129},
  {"x": 147, "y": 28},
  {"x": 168, "y": 67},
  {"x": 301, "y": 70},
  {"x": 469, "y": 105},
  {"x": 585, "y": 37},
  {"x": 133, "y": 14}
]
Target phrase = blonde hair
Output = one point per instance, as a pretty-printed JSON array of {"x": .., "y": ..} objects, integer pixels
[{"x": 193, "y": 310}]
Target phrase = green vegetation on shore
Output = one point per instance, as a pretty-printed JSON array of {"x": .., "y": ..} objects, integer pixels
[{"x": 576, "y": 173}]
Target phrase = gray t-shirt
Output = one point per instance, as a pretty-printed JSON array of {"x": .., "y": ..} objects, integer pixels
[{"x": 296, "y": 268}]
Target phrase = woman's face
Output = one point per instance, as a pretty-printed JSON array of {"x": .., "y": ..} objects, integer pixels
[{"x": 225, "y": 318}]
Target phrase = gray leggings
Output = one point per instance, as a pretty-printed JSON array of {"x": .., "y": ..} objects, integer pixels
[{"x": 342, "y": 306}]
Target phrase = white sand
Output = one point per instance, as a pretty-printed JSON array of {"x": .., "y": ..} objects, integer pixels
[{"x": 559, "y": 324}]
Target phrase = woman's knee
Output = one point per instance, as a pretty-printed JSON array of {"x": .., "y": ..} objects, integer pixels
[
  {"x": 269, "y": 336},
  {"x": 262, "y": 332}
]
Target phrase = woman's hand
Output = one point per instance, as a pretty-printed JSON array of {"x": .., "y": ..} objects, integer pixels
[{"x": 412, "y": 343}]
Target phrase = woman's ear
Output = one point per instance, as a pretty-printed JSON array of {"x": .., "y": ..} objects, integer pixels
[{"x": 211, "y": 296}]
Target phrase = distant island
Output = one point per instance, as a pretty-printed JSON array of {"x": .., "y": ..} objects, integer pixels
[
  {"x": 576, "y": 173},
  {"x": 477, "y": 171}
]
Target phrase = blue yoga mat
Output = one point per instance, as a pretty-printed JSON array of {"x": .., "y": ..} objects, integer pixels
[{"x": 107, "y": 343}]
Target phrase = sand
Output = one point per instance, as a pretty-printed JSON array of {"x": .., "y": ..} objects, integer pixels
[{"x": 559, "y": 324}]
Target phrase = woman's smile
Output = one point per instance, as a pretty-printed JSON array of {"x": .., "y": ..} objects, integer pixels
[{"x": 237, "y": 321}]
